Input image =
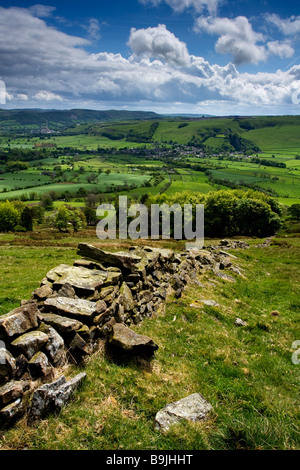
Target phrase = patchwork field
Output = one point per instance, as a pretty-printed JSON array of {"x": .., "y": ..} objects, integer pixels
[{"x": 162, "y": 155}]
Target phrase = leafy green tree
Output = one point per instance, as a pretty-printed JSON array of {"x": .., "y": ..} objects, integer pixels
[
  {"x": 47, "y": 202},
  {"x": 16, "y": 166},
  {"x": 230, "y": 213},
  {"x": 90, "y": 215},
  {"x": 38, "y": 213},
  {"x": 27, "y": 219},
  {"x": 67, "y": 218},
  {"x": 62, "y": 219},
  {"x": 294, "y": 211},
  {"x": 77, "y": 219},
  {"x": 9, "y": 216}
]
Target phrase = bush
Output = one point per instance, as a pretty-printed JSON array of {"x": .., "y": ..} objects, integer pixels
[
  {"x": 294, "y": 211},
  {"x": 9, "y": 216},
  {"x": 231, "y": 213},
  {"x": 67, "y": 218},
  {"x": 19, "y": 228}
]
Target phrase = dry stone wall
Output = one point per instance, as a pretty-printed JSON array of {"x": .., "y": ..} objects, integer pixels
[{"x": 97, "y": 299}]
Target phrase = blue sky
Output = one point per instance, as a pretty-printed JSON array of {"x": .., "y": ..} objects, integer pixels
[{"x": 170, "y": 56}]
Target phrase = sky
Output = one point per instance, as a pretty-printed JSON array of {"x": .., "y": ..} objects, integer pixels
[{"x": 218, "y": 57}]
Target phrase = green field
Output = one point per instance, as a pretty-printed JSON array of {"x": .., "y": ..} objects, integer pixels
[
  {"x": 246, "y": 373},
  {"x": 85, "y": 152},
  {"x": 104, "y": 183}
]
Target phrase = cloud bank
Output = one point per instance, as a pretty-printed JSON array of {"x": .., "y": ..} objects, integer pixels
[{"x": 45, "y": 67}]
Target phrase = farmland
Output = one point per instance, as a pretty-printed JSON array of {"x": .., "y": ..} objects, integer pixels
[{"x": 150, "y": 156}]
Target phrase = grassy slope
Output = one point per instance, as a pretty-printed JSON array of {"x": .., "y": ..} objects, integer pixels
[{"x": 246, "y": 373}]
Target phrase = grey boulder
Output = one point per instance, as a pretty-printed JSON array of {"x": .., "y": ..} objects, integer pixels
[{"x": 192, "y": 408}]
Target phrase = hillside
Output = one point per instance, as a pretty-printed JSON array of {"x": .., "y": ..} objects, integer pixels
[
  {"x": 245, "y": 371},
  {"x": 228, "y": 134},
  {"x": 31, "y": 119}
]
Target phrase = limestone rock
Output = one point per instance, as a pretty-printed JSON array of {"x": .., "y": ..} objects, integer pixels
[
  {"x": 67, "y": 291},
  {"x": 11, "y": 412},
  {"x": 85, "y": 263},
  {"x": 208, "y": 302},
  {"x": 11, "y": 391},
  {"x": 21, "y": 366},
  {"x": 30, "y": 343},
  {"x": 84, "y": 281},
  {"x": 42, "y": 292},
  {"x": 63, "y": 325},
  {"x": 78, "y": 348},
  {"x": 193, "y": 408},
  {"x": 226, "y": 277},
  {"x": 39, "y": 366},
  {"x": 7, "y": 365},
  {"x": 100, "y": 307},
  {"x": 240, "y": 322},
  {"x": 79, "y": 309},
  {"x": 55, "y": 347},
  {"x": 53, "y": 397},
  {"x": 122, "y": 260},
  {"x": 126, "y": 298},
  {"x": 128, "y": 340},
  {"x": 19, "y": 321}
]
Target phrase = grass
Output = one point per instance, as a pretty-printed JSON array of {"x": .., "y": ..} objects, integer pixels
[{"x": 246, "y": 373}]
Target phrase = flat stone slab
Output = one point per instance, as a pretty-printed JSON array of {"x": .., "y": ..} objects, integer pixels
[
  {"x": 129, "y": 341},
  {"x": 79, "y": 309},
  {"x": 54, "y": 396},
  {"x": 11, "y": 391},
  {"x": 192, "y": 408},
  {"x": 42, "y": 292},
  {"x": 19, "y": 321},
  {"x": 63, "y": 325},
  {"x": 208, "y": 302},
  {"x": 226, "y": 277},
  {"x": 121, "y": 259},
  {"x": 30, "y": 343},
  {"x": 84, "y": 281},
  {"x": 12, "y": 411}
]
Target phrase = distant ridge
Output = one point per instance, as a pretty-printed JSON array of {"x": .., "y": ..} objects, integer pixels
[{"x": 30, "y": 119}]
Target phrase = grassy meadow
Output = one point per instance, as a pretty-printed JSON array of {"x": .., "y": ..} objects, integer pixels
[{"x": 246, "y": 373}]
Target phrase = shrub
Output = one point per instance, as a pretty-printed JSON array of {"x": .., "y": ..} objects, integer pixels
[
  {"x": 19, "y": 228},
  {"x": 294, "y": 211},
  {"x": 9, "y": 216},
  {"x": 231, "y": 213}
]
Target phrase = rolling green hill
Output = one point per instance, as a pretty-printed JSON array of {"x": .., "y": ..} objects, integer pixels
[
  {"x": 240, "y": 134},
  {"x": 30, "y": 119}
]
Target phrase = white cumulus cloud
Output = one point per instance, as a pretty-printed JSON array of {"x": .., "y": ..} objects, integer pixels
[
  {"x": 237, "y": 37},
  {"x": 181, "y": 5},
  {"x": 288, "y": 26},
  {"x": 158, "y": 43},
  {"x": 45, "y": 95},
  {"x": 283, "y": 49}
]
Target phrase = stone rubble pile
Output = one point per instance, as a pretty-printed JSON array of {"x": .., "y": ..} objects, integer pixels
[{"x": 96, "y": 299}]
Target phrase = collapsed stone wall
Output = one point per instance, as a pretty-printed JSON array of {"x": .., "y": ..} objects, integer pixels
[{"x": 96, "y": 299}]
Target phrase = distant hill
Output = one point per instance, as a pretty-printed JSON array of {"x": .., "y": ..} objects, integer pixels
[
  {"x": 34, "y": 119},
  {"x": 241, "y": 134}
]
